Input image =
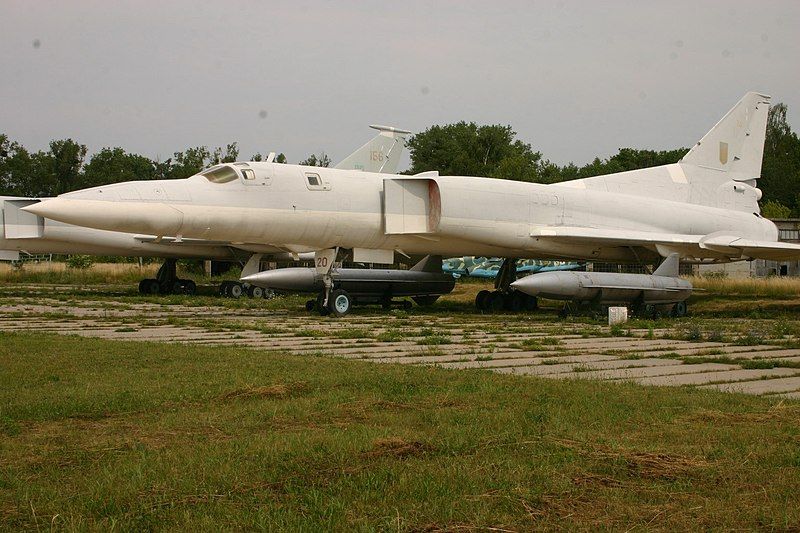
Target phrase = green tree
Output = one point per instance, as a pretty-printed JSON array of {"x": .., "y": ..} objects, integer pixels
[
  {"x": 15, "y": 167},
  {"x": 775, "y": 209},
  {"x": 114, "y": 165},
  {"x": 780, "y": 169},
  {"x": 188, "y": 163},
  {"x": 321, "y": 160},
  {"x": 67, "y": 158},
  {"x": 280, "y": 158},
  {"x": 229, "y": 155},
  {"x": 466, "y": 149}
]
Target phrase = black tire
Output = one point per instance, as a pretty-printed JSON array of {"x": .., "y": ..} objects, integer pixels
[
  {"x": 311, "y": 305},
  {"x": 531, "y": 303},
  {"x": 255, "y": 292},
  {"x": 425, "y": 300},
  {"x": 480, "y": 300},
  {"x": 235, "y": 290},
  {"x": 495, "y": 302},
  {"x": 679, "y": 309},
  {"x": 177, "y": 287},
  {"x": 223, "y": 289},
  {"x": 151, "y": 286},
  {"x": 142, "y": 286},
  {"x": 189, "y": 287},
  {"x": 340, "y": 303},
  {"x": 514, "y": 301},
  {"x": 407, "y": 305},
  {"x": 269, "y": 294}
]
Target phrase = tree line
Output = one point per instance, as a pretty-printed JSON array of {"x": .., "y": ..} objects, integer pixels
[{"x": 460, "y": 149}]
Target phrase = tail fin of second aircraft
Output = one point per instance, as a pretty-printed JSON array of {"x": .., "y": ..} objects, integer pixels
[
  {"x": 735, "y": 145},
  {"x": 380, "y": 154}
]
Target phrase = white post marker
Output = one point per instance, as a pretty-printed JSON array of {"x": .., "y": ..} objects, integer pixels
[{"x": 617, "y": 315}]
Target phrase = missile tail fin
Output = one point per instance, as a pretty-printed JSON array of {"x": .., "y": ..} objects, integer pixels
[
  {"x": 429, "y": 263},
  {"x": 669, "y": 267}
]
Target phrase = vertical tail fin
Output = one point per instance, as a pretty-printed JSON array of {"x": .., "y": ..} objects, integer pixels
[
  {"x": 380, "y": 154},
  {"x": 736, "y": 144},
  {"x": 669, "y": 267}
]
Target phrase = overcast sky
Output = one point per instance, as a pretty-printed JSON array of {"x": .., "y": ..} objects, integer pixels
[{"x": 574, "y": 79}]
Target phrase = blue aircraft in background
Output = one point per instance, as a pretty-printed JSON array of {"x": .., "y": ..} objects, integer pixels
[{"x": 482, "y": 267}]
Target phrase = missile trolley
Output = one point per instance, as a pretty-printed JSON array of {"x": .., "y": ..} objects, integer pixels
[
  {"x": 647, "y": 295},
  {"x": 423, "y": 283}
]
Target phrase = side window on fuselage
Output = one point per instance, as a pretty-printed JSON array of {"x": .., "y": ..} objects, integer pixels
[{"x": 314, "y": 182}]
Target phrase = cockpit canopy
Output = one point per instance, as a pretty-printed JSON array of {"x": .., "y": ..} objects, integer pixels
[
  {"x": 227, "y": 173},
  {"x": 220, "y": 174}
]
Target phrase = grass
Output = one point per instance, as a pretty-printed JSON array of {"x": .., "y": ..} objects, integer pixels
[
  {"x": 102, "y": 435},
  {"x": 773, "y": 287},
  {"x": 100, "y": 273}
]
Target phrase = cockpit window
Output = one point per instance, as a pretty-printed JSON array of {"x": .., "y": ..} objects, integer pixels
[
  {"x": 313, "y": 179},
  {"x": 220, "y": 174}
]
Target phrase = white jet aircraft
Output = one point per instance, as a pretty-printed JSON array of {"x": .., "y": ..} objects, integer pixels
[
  {"x": 32, "y": 234},
  {"x": 704, "y": 208}
]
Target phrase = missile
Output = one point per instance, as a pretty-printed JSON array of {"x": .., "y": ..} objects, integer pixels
[
  {"x": 661, "y": 288},
  {"x": 359, "y": 282}
]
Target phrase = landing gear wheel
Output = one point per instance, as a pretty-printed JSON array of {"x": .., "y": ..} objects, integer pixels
[
  {"x": 386, "y": 303},
  {"x": 255, "y": 292},
  {"x": 177, "y": 287},
  {"x": 310, "y": 305},
  {"x": 425, "y": 301},
  {"x": 340, "y": 302},
  {"x": 149, "y": 286},
  {"x": 514, "y": 301},
  {"x": 531, "y": 303},
  {"x": 495, "y": 301},
  {"x": 407, "y": 305},
  {"x": 679, "y": 309},
  {"x": 269, "y": 294},
  {"x": 235, "y": 290},
  {"x": 480, "y": 300}
]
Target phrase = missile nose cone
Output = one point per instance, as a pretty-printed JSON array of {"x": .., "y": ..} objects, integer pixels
[
  {"x": 287, "y": 279},
  {"x": 541, "y": 283},
  {"x": 527, "y": 285}
]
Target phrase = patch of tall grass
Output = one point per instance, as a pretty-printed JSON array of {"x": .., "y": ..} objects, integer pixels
[
  {"x": 774, "y": 287},
  {"x": 60, "y": 273}
]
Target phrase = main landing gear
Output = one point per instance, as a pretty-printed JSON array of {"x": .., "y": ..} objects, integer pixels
[
  {"x": 504, "y": 297},
  {"x": 167, "y": 282}
]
